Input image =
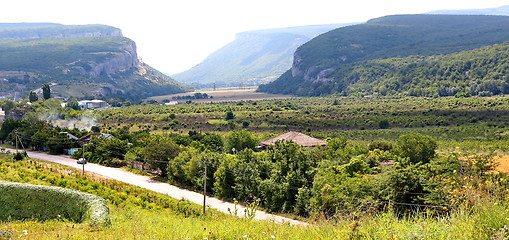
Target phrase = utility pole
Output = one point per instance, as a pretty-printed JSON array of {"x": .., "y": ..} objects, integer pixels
[
  {"x": 204, "y": 189},
  {"x": 84, "y": 160},
  {"x": 16, "y": 141}
]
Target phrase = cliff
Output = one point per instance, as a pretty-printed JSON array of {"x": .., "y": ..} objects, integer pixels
[{"x": 79, "y": 61}]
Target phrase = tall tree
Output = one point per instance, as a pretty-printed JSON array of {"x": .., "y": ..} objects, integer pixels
[
  {"x": 32, "y": 97},
  {"x": 46, "y": 91}
]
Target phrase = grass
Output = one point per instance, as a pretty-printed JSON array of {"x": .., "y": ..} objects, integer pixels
[
  {"x": 135, "y": 223},
  {"x": 140, "y": 214}
]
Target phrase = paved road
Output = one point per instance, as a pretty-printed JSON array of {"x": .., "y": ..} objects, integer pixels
[{"x": 156, "y": 186}]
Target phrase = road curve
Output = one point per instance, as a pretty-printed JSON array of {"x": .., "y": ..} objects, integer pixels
[{"x": 157, "y": 186}]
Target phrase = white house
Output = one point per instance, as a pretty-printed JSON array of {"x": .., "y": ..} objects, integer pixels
[{"x": 93, "y": 104}]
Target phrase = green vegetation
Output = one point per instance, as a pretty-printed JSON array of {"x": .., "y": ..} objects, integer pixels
[
  {"x": 141, "y": 214},
  {"x": 26, "y": 201},
  {"x": 355, "y": 59}
]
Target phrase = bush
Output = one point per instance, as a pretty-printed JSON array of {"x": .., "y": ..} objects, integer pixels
[{"x": 22, "y": 201}]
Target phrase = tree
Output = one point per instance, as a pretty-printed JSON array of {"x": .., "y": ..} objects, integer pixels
[
  {"x": 46, "y": 91},
  {"x": 73, "y": 105},
  {"x": 159, "y": 151},
  {"x": 32, "y": 97},
  {"x": 229, "y": 115},
  {"x": 416, "y": 147},
  {"x": 213, "y": 141},
  {"x": 240, "y": 140}
]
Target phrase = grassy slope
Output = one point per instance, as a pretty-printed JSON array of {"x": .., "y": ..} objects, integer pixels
[{"x": 139, "y": 221}]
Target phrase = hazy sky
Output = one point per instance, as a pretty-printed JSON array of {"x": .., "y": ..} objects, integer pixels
[{"x": 175, "y": 35}]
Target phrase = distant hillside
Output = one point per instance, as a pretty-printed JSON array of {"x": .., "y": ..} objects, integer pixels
[
  {"x": 320, "y": 66},
  {"x": 504, "y": 10},
  {"x": 79, "y": 61},
  {"x": 254, "y": 57},
  {"x": 54, "y": 30}
]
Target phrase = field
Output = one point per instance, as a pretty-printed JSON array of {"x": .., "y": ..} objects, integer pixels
[
  {"x": 470, "y": 123},
  {"x": 226, "y": 95}
]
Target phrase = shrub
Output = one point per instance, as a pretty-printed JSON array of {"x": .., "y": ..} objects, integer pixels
[{"x": 26, "y": 201}]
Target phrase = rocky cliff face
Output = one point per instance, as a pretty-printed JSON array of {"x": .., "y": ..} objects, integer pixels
[{"x": 126, "y": 59}]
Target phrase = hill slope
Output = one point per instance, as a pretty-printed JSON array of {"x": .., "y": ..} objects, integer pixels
[
  {"x": 88, "y": 60},
  {"x": 254, "y": 57},
  {"x": 315, "y": 63},
  {"x": 504, "y": 10},
  {"x": 483, "y": 71}
]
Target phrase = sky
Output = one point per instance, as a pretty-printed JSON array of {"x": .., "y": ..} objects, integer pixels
[{"x": 175, "y": 35}]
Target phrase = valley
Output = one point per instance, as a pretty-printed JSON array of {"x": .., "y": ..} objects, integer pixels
[{"x": 395, "y": 128}]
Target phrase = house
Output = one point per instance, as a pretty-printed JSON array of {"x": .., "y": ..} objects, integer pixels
[
  {"x": 299, "y": 138},
  {"x": 171, "y": 103},
  {"x": 93, "y": 104},
  {"x": 70, "y": 136},
  {"x": 2, "y": 116},
  {"x": 86, "y": 139}
]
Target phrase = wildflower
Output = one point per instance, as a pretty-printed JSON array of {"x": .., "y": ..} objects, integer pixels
[
  {"x": 25, "y": 232},
  {"x": 272, "y": 236},
  {"x": 204, "y": 228},
  {"x": 210, "y": 232}
]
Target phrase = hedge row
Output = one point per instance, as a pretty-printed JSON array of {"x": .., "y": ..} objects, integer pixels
[{"x": 21, "y": 201}]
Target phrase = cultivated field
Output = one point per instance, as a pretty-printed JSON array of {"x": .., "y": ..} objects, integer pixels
[{"x": 225, "y": 95}]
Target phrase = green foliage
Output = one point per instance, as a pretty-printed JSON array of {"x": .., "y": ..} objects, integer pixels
[
  {"x": 213, "y": 142},
  {"x": 8, "y": 125},
  {"x": 46, "y": 91},
  {"x": 240, "y": 140},
  {"x": 416, "y": 147},
  {"x": 229, "y": 115},
  {"x": 19, "y": 156},
  {"x": 158, "y": 151},
  {"x": 25, "y": 201},
  {"x": 58, "y": 143},
  {"x": 73, "y": 104},
  {"x": 32, "y": 97},
  {"x": 381, "y": 145}
]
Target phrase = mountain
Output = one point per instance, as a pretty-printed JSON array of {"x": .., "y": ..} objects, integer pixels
[
  {"x": 319, "y": 66},
  {"x": 78, "y": 61},
  {"x": 254, "y": 57},
  {"x": 504, "y": 11}
]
